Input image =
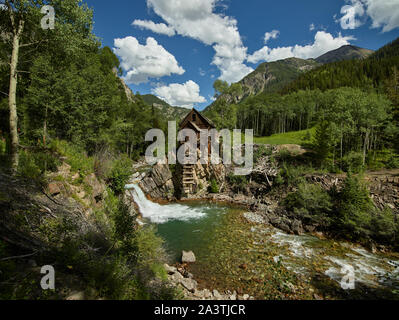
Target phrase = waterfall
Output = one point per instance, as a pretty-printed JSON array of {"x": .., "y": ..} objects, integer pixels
[{"x": 160, "y": 214}]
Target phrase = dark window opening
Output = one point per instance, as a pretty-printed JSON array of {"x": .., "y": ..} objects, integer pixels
[{"x": 194, "y": 117}]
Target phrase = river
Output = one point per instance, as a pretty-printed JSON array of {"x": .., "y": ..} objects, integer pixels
[{"x": 233, "y": 253}]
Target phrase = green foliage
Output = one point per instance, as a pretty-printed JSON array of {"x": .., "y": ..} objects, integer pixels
[
  {"x": 323, "y": 141},
  {"x": 291, "y": 175},
  {"x": 311, "y": 204},
  {"x": 352, "y": 162},
  {"x": 214, "y": 187},
  {"x": 354, "y": 208},
  {"x": 361, "y": 73},
  {"x": 237, "y": 183},
  {"x": 348, "y": 213},
  {"x": 385, "y": 227},
  {"x": 75, "y": 156},
  {"x": 393, "y": 162},
  {"x": 34, "y": 165},
  {"x": 295, "y": 137},
  {"x": 118, "y": 176}
]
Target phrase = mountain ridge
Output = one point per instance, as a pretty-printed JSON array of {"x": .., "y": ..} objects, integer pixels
[
  {"x": 347, "y": 52},
  {"x": 273, "y": 76}
]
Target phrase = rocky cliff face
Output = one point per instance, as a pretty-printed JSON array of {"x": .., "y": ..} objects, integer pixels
[
  {"x": 156, "y": 183},
  {"x": 164, "y": 182}
]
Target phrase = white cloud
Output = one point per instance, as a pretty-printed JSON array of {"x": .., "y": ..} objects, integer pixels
[
  {"x": 271, "y": 35},
  {"x": 196, "y": 19},
  {"x": 323, "y": 43},
  {"x": 350, "y": 12},
  {"x": 312, "y": 27},
  {"x": 142, "y": 62},
  {"x": 181, "y": 95},
  {"x": 160, "y": 28},
  {"x": 383, "y": 14}
]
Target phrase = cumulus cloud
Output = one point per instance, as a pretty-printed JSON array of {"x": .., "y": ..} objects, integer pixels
[
  {"x": 142, "y": 62},
  {"x": 182, "y": 95},
  {"x": 159, "y": 28},
  {"x": 323, "y": 43},
  {"x": 350, "y": 13},
  {"x": 197, "y": 20},
  {"x": 312, "y": 27},
  {"x": 271, "y": 35},
  {"x": 383, "y": 14}
]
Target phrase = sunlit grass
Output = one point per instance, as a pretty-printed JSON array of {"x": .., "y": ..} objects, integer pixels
[{"x": 295, "y": 137}]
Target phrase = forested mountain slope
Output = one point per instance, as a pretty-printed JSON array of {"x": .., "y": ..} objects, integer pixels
[
  {"x": 370, "y": 72},
  {"x": 344, "y": 53}
]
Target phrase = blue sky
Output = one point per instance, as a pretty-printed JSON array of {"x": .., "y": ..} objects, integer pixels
[{"x": 176, "y": 49}]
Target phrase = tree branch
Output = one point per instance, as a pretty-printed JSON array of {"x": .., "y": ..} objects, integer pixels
[
  {"x": 19, "y": 257},
  {"x": 32, "y": 43},
  {"x": 18, "y": 71}
]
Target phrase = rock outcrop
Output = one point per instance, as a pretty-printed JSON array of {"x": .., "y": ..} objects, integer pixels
[
  {"x": 188, "y": 257},
  {"x": 158, "y": 182},
  {"x": 179, "y": 277}
]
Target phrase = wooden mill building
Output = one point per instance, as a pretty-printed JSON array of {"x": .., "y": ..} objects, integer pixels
[{"x": 197, "y": 122}]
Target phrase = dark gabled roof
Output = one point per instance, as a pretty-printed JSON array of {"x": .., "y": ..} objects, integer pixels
[
  {"x": 205, "y": 119},
  {"x": 194, "y": 126}
]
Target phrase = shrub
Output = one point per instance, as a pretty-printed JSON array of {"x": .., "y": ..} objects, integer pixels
[
  {"x": 354, "y": 207},
  {"x": 292, "y": 175},
  {"x": 238, "y": 183},
  {"x": 393, "y": 162},
  {"x": 214, "y": 188},
  {"x": 311, "y": 204},
  {"x": 102, "y": 163},
  {"x": 119, "y": 174},
  {"x": 385, "y": 228},
  {"x": 261, "y": 152},
  {"x": 28, "y": 168},
  {"x": 352, "y": 162},
  {"x": 76, "y": 157}
]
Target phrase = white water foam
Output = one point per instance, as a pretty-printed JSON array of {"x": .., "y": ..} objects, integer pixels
[{"x": 160, "y": 214}]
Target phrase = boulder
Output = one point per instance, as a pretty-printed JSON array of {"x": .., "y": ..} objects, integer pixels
[
  {"x": 189, "y": 284},
  {"x": 188, "y": 257},
  {"x": 97, "y": 187},
  {"x": 169, "y": 269},
  {"x": 176, "y": 277},
  {"x": 233, "y": 296},
  {"x": 147, "y": 185},
  {"x": 54, "y": 188},
  {"x": 283, "y": 226},
  {"x": 217, "y": 295},
  {"x": 76, "y": 296},
  {"x": 297, "y": 227},
  {"x": 161, "y": 174},
  {"x": 310, "y": 229}
]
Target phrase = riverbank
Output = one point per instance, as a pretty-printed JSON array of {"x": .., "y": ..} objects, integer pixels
[{"x": 239, "y": 253}]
